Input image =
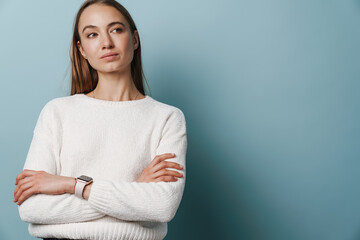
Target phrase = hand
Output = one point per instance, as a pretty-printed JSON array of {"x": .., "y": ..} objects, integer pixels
[
  {"x": 31, "y": 182},
  {"x": 87, "y": 190},
  {"x": 156, "y": 171}
]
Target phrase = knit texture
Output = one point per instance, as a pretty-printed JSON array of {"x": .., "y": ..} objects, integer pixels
[{"x": 112, "y": 142}]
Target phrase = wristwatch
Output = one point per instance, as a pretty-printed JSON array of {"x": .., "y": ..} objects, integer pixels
[{"x": 80, "y": 184}]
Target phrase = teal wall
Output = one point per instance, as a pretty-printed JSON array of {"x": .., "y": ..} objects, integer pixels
[{"x": 270, "y": 91}]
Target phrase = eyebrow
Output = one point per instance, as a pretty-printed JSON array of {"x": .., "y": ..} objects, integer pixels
[{"x": 109, "y": 25}]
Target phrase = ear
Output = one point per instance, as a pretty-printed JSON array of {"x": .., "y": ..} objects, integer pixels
[
  {"x": 135, "y": 39},
  {"x": 81, "y": 49}
]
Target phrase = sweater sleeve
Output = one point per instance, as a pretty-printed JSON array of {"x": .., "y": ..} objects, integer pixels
[
  {"x": 153, "y": 201},
  {"x": 43, "y": 155}
]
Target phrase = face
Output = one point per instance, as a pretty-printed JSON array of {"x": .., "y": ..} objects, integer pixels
[{"x": 103, "y": 30}]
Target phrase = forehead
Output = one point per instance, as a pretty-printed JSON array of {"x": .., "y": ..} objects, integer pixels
[{"x": 100, "y": 16}]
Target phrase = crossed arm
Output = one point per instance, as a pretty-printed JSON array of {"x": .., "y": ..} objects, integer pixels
[
  {"x": 47, "y": 198},
  {"x": 30, "y": 182},
  {"x": 44, "y": 208}
]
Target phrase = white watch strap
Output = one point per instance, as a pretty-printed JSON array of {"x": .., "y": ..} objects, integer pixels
[{"x": 79, "y": 188}]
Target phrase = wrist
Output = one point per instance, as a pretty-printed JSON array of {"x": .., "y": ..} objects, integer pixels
[
  {"x": 86, "y": 192},
  {"x": 70, "y": 185}
]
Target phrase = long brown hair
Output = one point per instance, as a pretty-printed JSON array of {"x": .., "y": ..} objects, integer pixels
[{"x": 84, "y": 77}]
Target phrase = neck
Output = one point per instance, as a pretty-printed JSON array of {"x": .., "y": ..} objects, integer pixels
[{"x": 116, "y": 87}]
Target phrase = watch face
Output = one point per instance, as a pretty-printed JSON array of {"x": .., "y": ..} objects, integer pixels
[{"x": 85, "y": 178}]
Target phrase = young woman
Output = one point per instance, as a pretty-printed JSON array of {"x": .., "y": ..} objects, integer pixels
[{"x": 97, "y": 165}]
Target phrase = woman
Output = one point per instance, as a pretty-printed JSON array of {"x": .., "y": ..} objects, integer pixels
[{"x": 96, "y": 167}]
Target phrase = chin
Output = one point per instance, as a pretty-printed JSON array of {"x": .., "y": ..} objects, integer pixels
[{"x": 112, "y": 70}]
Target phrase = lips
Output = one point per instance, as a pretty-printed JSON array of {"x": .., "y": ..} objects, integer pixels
[{"x": 108, "y": 55}]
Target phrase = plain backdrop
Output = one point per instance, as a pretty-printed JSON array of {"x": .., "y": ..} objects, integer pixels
[{"x": 270, "y": 92}]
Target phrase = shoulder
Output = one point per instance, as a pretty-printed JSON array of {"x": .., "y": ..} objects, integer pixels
[
  {"x": 59, "y": 103},
  {"x": 51, "y": 115},
  {"x": 65, "y": 100},
  {"x": 167, "y": 110},
  {"x": 54, "y": 109},
  {"x": 169, "y": 117}
]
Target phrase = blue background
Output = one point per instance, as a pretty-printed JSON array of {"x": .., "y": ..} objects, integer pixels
[{"x": 270, "y": 92}]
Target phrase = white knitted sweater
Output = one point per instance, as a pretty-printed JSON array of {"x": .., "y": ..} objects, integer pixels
[{"x": 112, "y": 142}]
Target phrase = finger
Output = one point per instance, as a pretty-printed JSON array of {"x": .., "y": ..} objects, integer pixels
[
  {"x": 166, "y": 164},
  {"x": 23, "y": 174},
  {"x": 21, "y": 182},
  {"x": 23, "y": 188},
  {"x": 165, "y": 172},
  {"x": 165, "y": 179},
  {"x": 160, "y": 158},
  {"x": 26, "y": 194}
]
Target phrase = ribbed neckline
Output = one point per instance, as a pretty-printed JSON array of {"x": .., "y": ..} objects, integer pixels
[{"x": 113, "y": 103}]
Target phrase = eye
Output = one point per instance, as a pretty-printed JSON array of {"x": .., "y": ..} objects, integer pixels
[
  {"x": 90, "y": 35},
  {"x": 118, "y": 29}
]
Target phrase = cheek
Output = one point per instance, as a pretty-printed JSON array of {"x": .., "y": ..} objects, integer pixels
[
  {"x": 91, "y": 54},
  {"x": 124, "y": 42},
  {"x": 89, "y": 49},
  {"x": 128, "y": 48}
]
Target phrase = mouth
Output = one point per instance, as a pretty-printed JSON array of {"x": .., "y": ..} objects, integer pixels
[{"x": 110, "y": 56}]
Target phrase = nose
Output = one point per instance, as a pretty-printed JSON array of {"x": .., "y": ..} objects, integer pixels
[{"x": 107, "y": 41}]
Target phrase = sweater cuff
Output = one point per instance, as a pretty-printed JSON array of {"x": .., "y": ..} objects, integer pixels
[{"x": 99, "y": 195}]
